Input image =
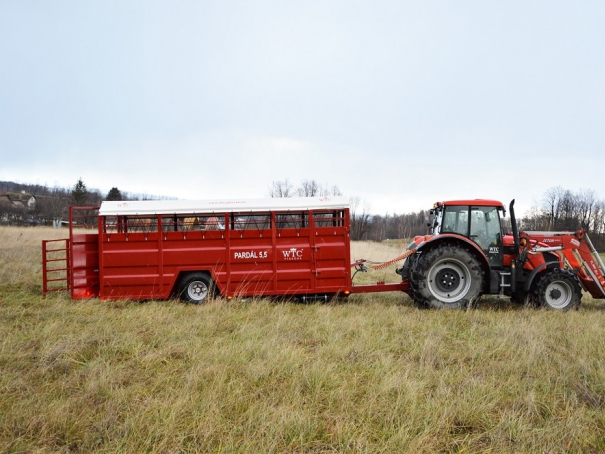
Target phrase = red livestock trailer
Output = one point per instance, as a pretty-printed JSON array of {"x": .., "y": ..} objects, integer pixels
[{"x": 192, "y": 249}]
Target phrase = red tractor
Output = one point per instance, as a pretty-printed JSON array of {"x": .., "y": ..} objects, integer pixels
[{"x": 468, "y": 254}]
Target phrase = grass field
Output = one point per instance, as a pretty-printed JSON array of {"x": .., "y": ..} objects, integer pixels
[{"x": 373, "y": 374}]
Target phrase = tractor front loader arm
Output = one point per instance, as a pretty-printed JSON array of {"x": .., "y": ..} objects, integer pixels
[{"x": 579, "y": 255}]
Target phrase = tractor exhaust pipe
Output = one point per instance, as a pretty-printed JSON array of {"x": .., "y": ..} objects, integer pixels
[{"x": 513, "y": 222}]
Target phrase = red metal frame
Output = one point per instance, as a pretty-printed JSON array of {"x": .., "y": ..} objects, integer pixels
[
  {"x": 84, "y": 269},
  {"x": 575, "y": 248},
  {"x": 471, "y": 202},
  {"x": 299, "y": 252},
  {"x": 403, "y": 286},
  {"x": 52, "y": 266},
  {"x": 80, "y": 274},
  {"x": 306, "y": 259}
]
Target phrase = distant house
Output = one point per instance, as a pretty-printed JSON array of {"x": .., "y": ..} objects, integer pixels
[
  {"x": 5, "y": 199},
  {"x": 18, "y": 200},
  {"x": 31, "y": 202}
]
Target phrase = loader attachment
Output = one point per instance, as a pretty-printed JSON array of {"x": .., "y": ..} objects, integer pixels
[
  {"x": 578, "y": 254},
  {"x": 592, "y": 266}
]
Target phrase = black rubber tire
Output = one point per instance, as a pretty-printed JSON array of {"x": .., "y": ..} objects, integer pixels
[
  {"x": 557, "y": 289},
  {"x": 196, "y": 288},
  {"x": 447, "y": 276},
  {"x": 406, "y": 275},
  {"x": 520, "y": 297}
]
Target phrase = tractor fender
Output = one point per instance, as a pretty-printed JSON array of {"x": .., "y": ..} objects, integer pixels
[
  {"x": 535, "y": 271},
  {"x": 432, "y": 241}
]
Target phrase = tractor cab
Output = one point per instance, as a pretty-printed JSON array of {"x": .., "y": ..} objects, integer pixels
[{"x": 477, "y": 220}]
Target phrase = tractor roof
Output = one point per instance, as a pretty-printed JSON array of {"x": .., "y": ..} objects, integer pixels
[{"x": 472, "y": 202}]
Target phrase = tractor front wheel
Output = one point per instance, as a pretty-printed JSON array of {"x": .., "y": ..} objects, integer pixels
[
  {"x": 447, "y": 276},
  {"x": 557, "y": 289}
]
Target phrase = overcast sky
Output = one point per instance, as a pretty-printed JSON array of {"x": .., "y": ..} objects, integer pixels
[{"x": 401, "y": 103}]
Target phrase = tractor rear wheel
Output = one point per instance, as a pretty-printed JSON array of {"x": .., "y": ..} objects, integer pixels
[
  {"x": 557, "y": 289},
  {"x": 521, "y": 297},
  {"x": 447, "y": 276}
]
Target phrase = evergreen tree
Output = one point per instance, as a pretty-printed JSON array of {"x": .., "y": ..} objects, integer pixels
[
  {"x": 79, "y": 194},
  {"x": 114, "y": 194}
]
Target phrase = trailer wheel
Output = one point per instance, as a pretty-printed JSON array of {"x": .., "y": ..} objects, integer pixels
[
  {"x": 196, "y": 288},
  {"x": 447, "y": 276},
  {"x": 557, "y": 289}
]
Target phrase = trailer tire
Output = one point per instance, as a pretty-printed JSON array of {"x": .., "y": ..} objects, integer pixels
[
  {"x": 557, "y": 289},
  {"x": 196, "y": 288},
  {"x": 447, "y": 276}
]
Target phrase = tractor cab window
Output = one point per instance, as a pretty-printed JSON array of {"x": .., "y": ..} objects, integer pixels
[
  {"x": 486, "y": 232},
  {"x": 455, "y": 220}
]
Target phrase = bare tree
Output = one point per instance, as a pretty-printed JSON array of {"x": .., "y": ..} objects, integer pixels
[
  {"x": 586, "y": 203},
  {"x": 334, "y": 191},
  {"x": 55, "y": 207},
  {"x": 563, "y": 209},
  {"x": 552, "y": 204},
  {"x": 280, "y": 189},
  {"x": 599, "y": 221},
  {"x": 308, "y": 188},
  {"x": 311, "y": 188},
  {"x": 360, "y": 218},
  {"x": 325, "y": 190}
]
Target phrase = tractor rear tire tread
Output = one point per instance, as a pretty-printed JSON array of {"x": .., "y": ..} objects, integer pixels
[{"x": 451, "y": 260}]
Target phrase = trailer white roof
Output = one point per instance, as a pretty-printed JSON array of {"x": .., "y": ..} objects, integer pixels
[{"x": 143, "y": 207}]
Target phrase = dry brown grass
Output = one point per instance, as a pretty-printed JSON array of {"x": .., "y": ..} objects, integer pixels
[
  {"x": 21, "y": 253},
  {"x": 378, "y": 253},
  {"x": 373, "y": 374}
]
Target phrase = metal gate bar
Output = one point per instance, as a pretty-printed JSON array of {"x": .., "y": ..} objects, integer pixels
[{"x": 49, "y": 271}]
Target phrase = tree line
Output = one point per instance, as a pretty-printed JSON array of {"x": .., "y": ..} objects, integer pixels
[
  {"x": 559, "y": 209},
  {"x": 364, "y": 225},
  {"x": 52, "y": 203}
]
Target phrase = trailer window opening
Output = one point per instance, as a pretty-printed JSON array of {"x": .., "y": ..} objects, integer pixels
[
  {"x": 329, "y": 218},
  {"x": 294, "y": 220},
  {"x": 111, "y": 224},
  {"x": 192, "y": 222},
  {"x": 145, "y": 224},
  {"x": 259, "y": 221},
  {"x": 84, "y": 218}
]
